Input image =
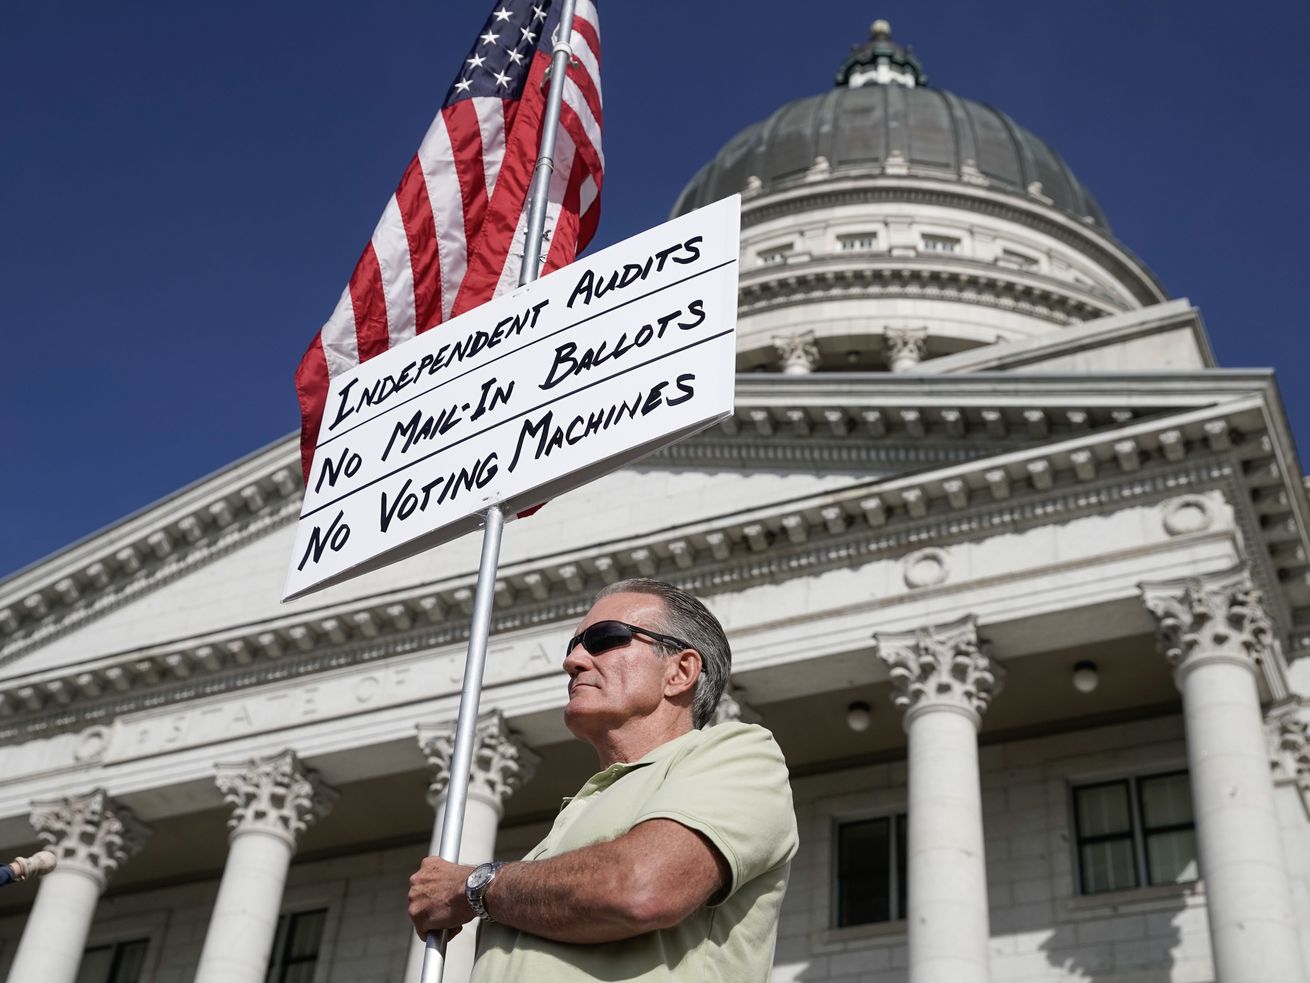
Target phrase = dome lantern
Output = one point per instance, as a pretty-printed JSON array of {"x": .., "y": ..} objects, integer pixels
[{"x": 881, "y": 61}]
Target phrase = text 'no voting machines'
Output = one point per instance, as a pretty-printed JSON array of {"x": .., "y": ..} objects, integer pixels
[{"x": 540, "y": 433}]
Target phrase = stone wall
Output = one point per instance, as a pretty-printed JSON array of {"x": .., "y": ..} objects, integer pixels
[{"x": 1041, "y": 931}]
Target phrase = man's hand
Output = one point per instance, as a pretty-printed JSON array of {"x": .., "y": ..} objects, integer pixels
[
  {"x": 436, "y": 896},
  {"x": 651, "y": 877}
]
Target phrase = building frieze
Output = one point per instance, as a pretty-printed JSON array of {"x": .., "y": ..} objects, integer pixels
[
  {"x": 820, "y": 452},
  {"x": 804, "y": 199},
  {"x": 918, "y": 278}
]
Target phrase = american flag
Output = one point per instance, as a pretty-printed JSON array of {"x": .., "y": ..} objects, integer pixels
[{"x": 452, "y": 236}]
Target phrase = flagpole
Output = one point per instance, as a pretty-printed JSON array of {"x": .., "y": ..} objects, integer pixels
[
  {"x": 539, "y": 193},
  {"x": 452, "y": 821}
]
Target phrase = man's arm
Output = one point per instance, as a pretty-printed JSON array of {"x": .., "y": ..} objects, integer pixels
[{"x": 651, "y": 877}]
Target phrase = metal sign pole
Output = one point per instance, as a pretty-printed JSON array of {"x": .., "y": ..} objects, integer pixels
[
  {"x": 539, "y": 193},
  {"x": 452, "y": 823}
]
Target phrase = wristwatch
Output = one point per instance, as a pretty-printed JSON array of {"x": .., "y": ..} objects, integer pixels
[{"x": 476, "y": 887}]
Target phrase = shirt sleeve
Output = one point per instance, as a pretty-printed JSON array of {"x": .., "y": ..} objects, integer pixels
[{"x": 733, "y": 788}]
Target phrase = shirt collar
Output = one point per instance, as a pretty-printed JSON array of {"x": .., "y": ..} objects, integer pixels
[{"x": 604, "y": 779}]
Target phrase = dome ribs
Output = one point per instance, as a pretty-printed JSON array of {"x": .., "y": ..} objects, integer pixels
[
  {"x": 966, "y": 144},
  {"x": 893, "y": 132}
]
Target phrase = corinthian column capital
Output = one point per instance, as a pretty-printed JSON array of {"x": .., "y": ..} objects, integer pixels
[
  {"x": 906, "y": 347},
  {"x": 798, "y": 353},
  {"x": 90, "y": 833},
  {"x": 1217, "y": 617},
  {"x": 280, "y": 795},
  {"x": 502, "y": 761},
  {"x": 1289, "y": 752},
  {"x": 940, "y": 667},
  {"x": 733, "y": 707}
]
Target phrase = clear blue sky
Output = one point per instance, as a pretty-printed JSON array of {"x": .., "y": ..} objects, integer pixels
[{"x": 184, "y": 188}]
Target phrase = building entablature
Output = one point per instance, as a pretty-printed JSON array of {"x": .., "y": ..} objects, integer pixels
[
  {"x": 927, "y": 281},
  {"x": 356, "y": 719},
  {"x": 1038, "y": 465},
  {"x": 1073, "y": 241},
  {"x": 213, "y": 517}
]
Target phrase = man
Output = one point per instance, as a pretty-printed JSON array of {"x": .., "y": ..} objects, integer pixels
[{"x": 671, "y": 862}]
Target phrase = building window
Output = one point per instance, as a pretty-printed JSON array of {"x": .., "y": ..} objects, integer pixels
[
  {"x": 941, "y": 244},
  {"x": 859, "y": 242},
  {"x": 1011, "y": 258},
  {"x": 1135, "y": 832},
  {"x": 295, "y": 947},
  {"x": 870, "y": 871},
  {"x": 774, "y": 255},
  {"x": 121, "y": 962}
]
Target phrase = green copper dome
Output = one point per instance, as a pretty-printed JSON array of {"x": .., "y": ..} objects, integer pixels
[{"x": 881, "y": 121}]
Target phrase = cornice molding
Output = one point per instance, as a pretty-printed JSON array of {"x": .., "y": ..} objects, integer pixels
[
  {"x": 176, "y": 543},
  {"x": 918, "y": 278}
]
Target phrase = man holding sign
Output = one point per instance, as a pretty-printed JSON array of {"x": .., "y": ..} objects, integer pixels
[{"x": 671, "y": 862}]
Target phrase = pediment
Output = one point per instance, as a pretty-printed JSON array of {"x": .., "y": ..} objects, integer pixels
[{"x": 192, "y": 596}]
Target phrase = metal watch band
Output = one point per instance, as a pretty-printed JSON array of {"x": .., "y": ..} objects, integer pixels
[{"x": 484, "y": 874}]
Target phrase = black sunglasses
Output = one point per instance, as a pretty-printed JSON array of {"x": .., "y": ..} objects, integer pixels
[{"x": 606, "y": 635}]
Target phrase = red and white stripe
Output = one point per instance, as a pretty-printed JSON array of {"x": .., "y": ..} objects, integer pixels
[{"x": 451, "y": 237}]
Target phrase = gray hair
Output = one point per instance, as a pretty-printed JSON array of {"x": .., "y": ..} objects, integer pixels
[{"x": 687, "y": 618}]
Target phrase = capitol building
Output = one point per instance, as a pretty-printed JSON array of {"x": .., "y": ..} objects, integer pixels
[{"x": 1015, "y": 574}]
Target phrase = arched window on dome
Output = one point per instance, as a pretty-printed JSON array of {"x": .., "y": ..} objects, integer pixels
[{"x": 1017, "y": 260}]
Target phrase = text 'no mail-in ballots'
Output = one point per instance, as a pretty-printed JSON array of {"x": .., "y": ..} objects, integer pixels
[{"x": 524, "y": 398}]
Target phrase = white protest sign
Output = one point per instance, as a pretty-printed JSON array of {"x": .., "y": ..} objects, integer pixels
[{"x": 524, "y": 398}]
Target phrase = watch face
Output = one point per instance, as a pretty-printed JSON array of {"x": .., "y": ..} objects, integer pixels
[{"x": 480, "y": 878}]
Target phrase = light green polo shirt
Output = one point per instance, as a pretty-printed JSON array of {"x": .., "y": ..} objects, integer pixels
[{"x": 728, "y": 782}]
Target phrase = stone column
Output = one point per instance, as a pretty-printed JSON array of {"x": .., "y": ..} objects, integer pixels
[
  {"x": 1289, "y": 752},
  {"x": 502, "y": 763},
  {"x": 91, "y": 835},
  {"x": 798, "y": 353},
  {"x": 905, "y": 348},
  {"x": 273, "y": 800},
  {"x": 943, "y": 680},
  {"x": 732, "y": 707},
  {"x": 1214, "y": 630}
]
